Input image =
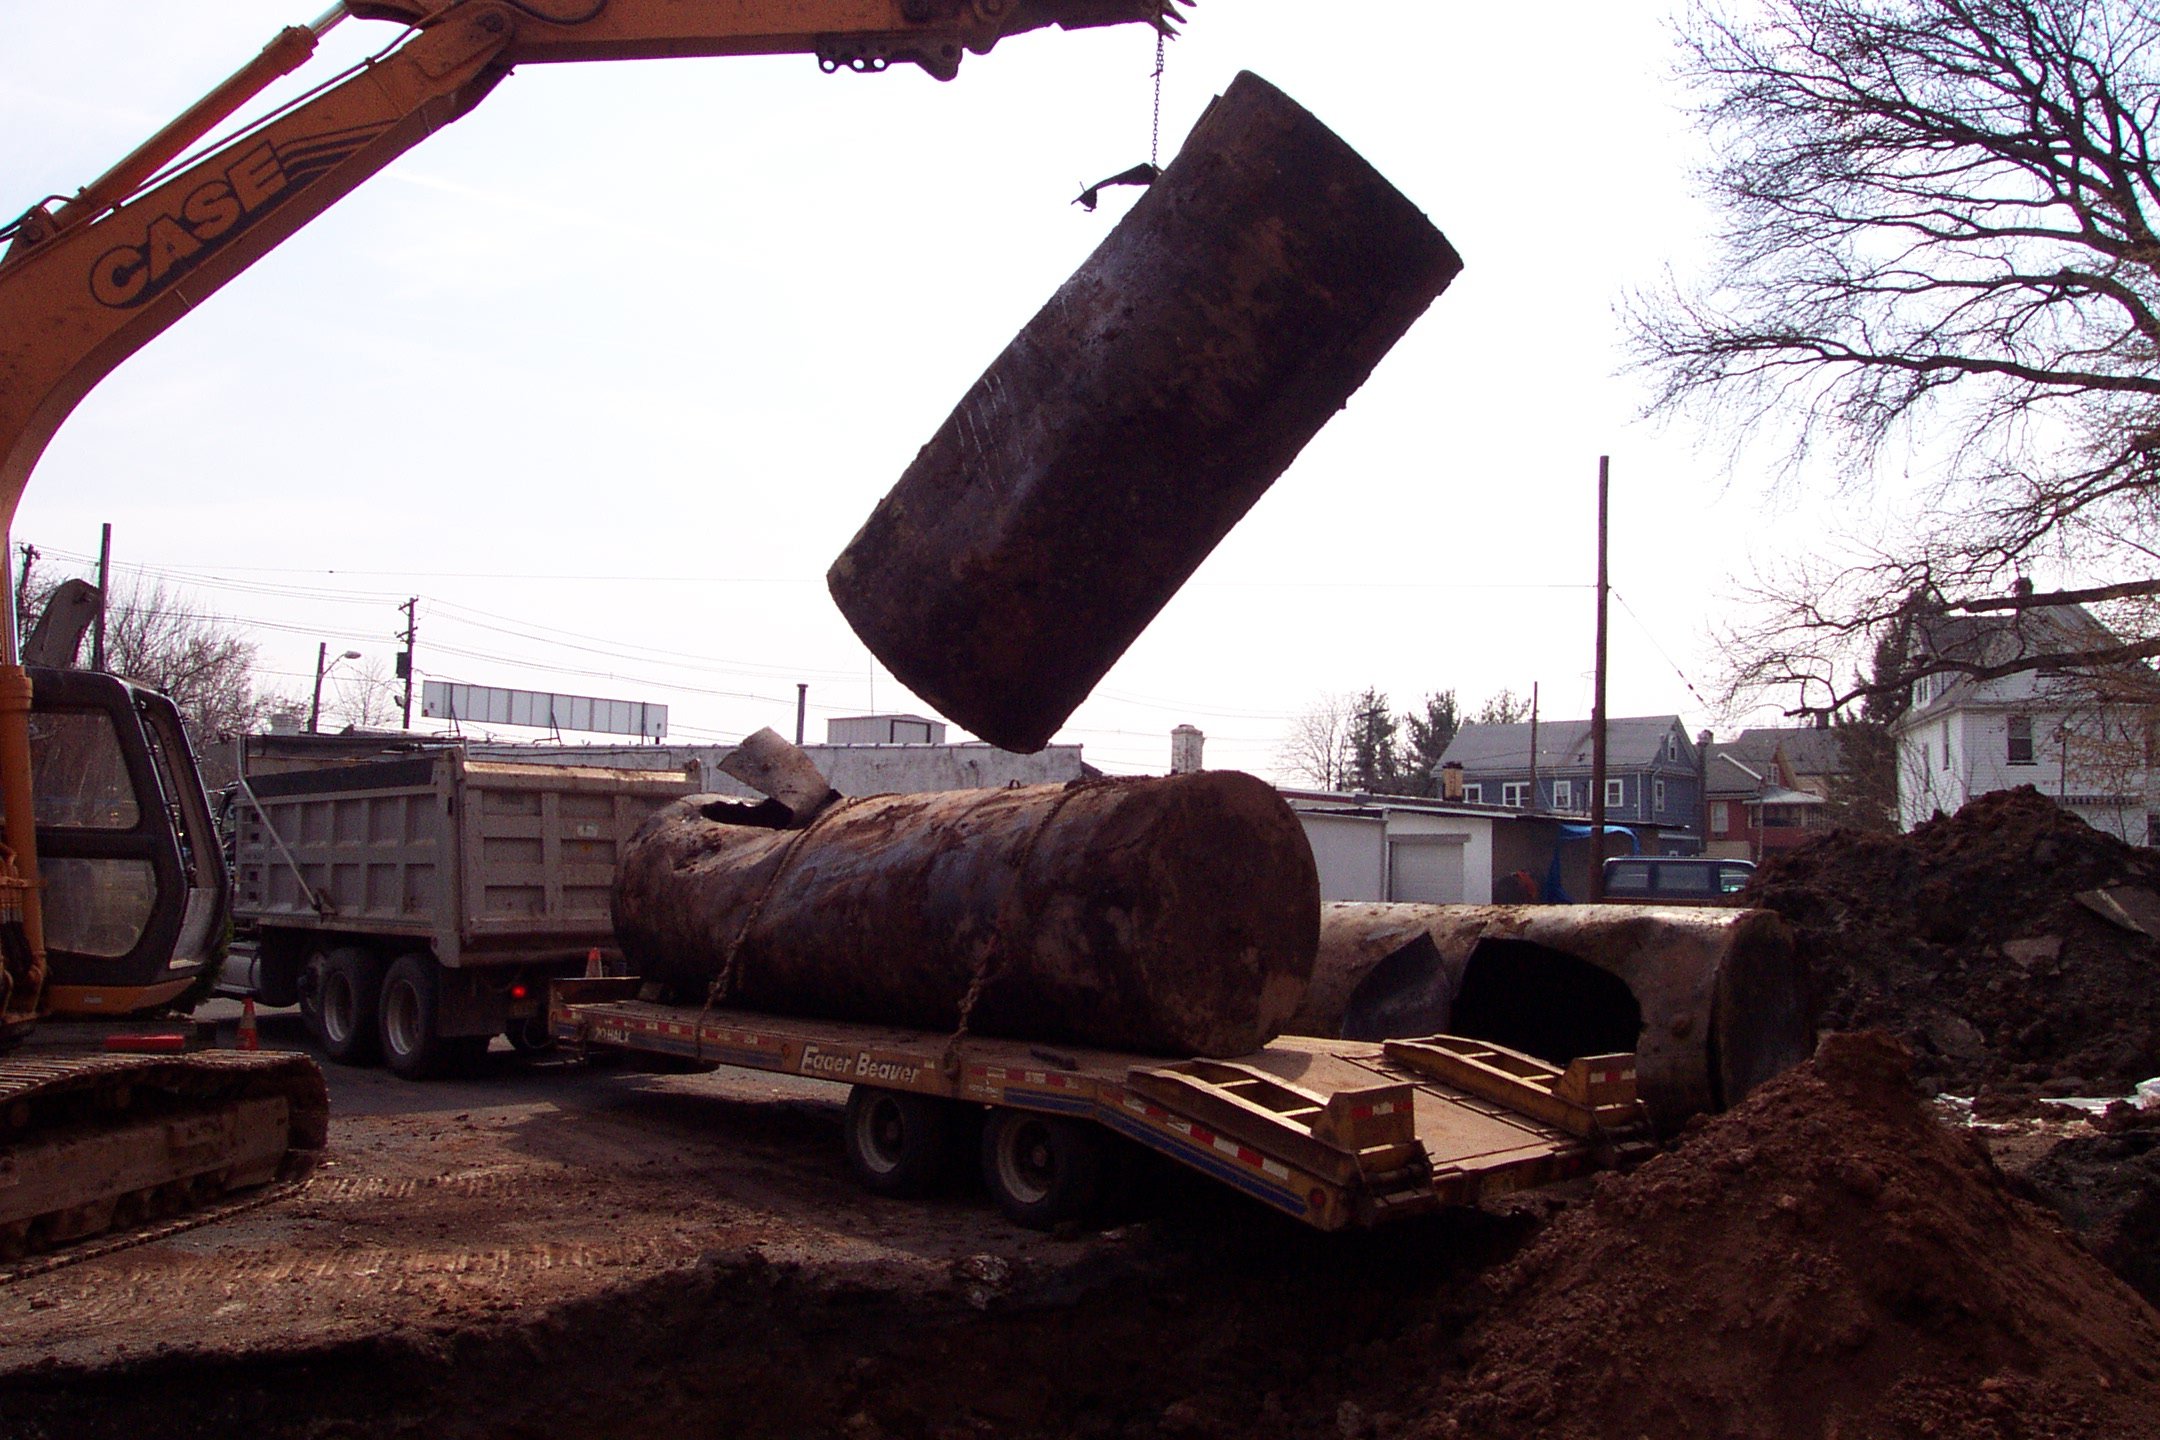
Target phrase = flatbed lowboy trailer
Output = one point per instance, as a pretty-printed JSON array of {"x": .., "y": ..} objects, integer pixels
[{"x": 1335, "y": 1133}]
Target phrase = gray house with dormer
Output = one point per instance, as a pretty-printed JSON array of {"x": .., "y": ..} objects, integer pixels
[{"x": 1653, "y": 773}]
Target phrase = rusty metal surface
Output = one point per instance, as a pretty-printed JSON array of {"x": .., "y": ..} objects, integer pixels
[
  {"x": 1137, "y": 418},
  {"x": 769, "y": 765},
  {"x": 1719, "y": 990},
  {"x": 1164, "y": 916}
]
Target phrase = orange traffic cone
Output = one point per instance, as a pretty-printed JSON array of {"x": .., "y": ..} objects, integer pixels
[
  {"x": 249, "y": 1040},
  {"x": 594, "y": 968}
]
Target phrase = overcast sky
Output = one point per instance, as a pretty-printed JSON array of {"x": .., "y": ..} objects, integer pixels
[{"x": 609, "y": 371}]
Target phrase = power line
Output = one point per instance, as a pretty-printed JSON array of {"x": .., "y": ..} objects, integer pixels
[{"x": 1662, "y": 651}]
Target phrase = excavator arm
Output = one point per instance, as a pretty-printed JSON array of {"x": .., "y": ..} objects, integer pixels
[{"x": 86, "y": 282}]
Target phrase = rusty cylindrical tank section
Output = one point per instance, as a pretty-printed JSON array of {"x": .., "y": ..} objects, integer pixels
[
  {"x": 1138, "y": 417},
  {"x": 1169, "y": 916},
  {"x": 1710, "y": 1001}
]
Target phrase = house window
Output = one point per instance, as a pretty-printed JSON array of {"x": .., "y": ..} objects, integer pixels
[
  {"x": 1657, "y": 796},
  {"x": 2021, "y": 744},
  {"x": 1563, "y": 794},
  {"x": 1615, "y": 794},
  {"x": 1512, "y": 792},
  {"x": 1720, "y": 818},
  {"x": 1474, "y": 793}
]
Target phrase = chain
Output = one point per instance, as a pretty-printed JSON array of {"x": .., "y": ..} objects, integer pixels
[
  {"x": 722, "y": 982},
  {"x": 986, "y": 967},
  {"x": 1162, "y": 53}
]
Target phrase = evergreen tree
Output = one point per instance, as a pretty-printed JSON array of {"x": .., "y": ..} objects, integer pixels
[
  {"x": 1426, "y": 739},
  {"x": 1374, "y": 766}
]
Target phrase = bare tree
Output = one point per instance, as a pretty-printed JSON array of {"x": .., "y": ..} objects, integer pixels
[
  {"x": 156, "y": 637},
  {"x": 367, "y": 697},
  {"x": 1939, "y": 228},
  {"x": 1318, "y": 748}
]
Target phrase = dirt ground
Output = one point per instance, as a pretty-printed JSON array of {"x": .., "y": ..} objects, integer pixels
[
  {"x": 577, "y": 1254},
  {"x": 551, "y": 1252}
]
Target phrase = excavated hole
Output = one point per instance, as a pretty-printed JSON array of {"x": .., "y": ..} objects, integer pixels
[{"x": 1219, "y": 1311}]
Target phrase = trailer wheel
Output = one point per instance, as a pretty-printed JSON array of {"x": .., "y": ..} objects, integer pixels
[
  {"x": 347, "y": 999},
  {"x": 897, "y": 1143},
  {"x": 413, "y": 1044},
  {"x": 530, "y": 1037},
  {"x": 1043, "y": 1170}
]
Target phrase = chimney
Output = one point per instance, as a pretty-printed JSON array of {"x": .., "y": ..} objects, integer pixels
[
  {"x": 2022, "y": 588},
  {"x": 1185, "y": 743},
  {"x": 1451, "y": 780}
]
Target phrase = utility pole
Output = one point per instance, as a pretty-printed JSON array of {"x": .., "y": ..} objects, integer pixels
[
  {"x": 802, "y": 712},
  {"x": 1534, "y": 805},
  {"x": 1597, "y": 701},
  {"x": 405, "y": 657},
  {"x": 22, "y": 583},
  {"x": 314, "y": 714},
  {"x": 104, "y": 588}
]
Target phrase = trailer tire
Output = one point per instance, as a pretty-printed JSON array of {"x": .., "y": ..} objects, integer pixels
[
  {"x": 897, "y": 1143},
  {"x": 347, "y": 1000},
  {"x": 1044, "y": 1170},
  {"x": 530, "y": 1037},
  {"x": 413, "y": 1045}
]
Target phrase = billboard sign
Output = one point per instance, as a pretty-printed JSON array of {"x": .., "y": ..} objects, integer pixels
[{"x": 539, "y": 710}]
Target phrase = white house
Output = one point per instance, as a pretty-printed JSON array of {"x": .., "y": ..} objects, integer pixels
[{"x": 2086, "y": 740}]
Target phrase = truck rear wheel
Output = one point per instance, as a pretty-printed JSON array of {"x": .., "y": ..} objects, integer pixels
[
  {"x": 413, "y": 1044},
  {"x": 898, "y": 1143},
  {"x": 1044, "y": 1170},
  {"x": 347, "y": 998}
]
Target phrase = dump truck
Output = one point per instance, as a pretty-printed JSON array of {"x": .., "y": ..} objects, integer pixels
[{"x": 415, "y": 905}]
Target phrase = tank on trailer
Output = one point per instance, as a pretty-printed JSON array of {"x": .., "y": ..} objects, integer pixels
[{"x": 1166, "y": 916}]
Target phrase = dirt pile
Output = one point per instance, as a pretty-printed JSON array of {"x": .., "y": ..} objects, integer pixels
[
  {"x": 1825, "y": 1260},
  {"x": 1965, "y": 938}
]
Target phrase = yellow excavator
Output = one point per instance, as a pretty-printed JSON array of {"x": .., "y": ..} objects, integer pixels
[{"x": 113, "y": 891}]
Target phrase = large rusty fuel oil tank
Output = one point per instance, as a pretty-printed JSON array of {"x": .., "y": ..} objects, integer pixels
[
  {"x": 1167, "y": 916},
  {"x": 1710, "y": 1001},
  {"x": 1137, "y": 418}
]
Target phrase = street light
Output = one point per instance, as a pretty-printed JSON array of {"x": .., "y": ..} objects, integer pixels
[{"x": 322, "y": 653}]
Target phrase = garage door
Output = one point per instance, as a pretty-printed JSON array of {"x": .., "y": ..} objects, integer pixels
[{"x": 1426, "y": 868}]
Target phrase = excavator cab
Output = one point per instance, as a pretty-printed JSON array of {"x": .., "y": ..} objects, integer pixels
[{"x": 136, "y": 899}]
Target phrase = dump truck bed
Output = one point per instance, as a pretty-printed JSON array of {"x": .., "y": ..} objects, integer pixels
[
  {"x": 1335, "y": 1133},
  {"x": 480, "y": 862}
]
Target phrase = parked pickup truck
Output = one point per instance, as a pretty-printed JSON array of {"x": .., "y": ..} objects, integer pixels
[{"x": 415, "y": 906}]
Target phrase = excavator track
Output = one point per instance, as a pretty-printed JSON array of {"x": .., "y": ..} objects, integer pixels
[{"x": 98, "y": 1145}]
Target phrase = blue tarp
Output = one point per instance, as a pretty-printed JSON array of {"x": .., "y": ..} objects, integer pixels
[{"x": 1555, "y": 892}]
